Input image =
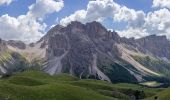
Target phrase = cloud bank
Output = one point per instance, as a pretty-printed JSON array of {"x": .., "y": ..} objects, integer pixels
[{"x": 29, "y": 27}]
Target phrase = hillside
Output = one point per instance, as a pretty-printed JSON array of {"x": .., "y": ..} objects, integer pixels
[
  {"x": 34, "y": 85},
  {"x": 164, "y": 95}
]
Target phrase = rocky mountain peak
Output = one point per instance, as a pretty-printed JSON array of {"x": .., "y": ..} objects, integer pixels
[
  {"x": 76, "y": 49},
  {"x": 93, "y": 30}
]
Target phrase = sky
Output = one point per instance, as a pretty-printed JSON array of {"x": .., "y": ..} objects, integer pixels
[{"x": 29, "y": 20}]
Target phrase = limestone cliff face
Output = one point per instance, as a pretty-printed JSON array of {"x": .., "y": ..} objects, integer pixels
[
  {"x": 76, "y": 48},
  {"x": 89, "y": 50}
]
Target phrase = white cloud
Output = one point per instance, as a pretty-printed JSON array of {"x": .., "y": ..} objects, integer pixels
[
  {"x": 161, "y": 3},
  {"x": 158, "y": 22},
  {"x": 133, "y": 32},
  {"x": 21, "y": 28},
  {"x": 79, "y": 15},
  {"x": 125, "y": 14},
  {"x": 28, "y": 27},
  {"x": 96, "y": 11},
  {"x": 134, "y": 18},
  {"x": 44, "y": 7},
  {"x": 7, "y": 2},
  {"x": 135, "y": 22}
]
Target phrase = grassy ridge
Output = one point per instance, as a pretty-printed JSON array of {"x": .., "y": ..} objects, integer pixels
[
  {"x": 31, "y": 85},
  {"x": 40, "y": 86}
]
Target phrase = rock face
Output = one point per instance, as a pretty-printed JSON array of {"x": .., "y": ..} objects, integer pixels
[
  {"x": 76, "y": 49},
  {"x": 90, "y": 51}
]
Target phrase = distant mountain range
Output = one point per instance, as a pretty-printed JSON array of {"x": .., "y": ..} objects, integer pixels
[{"x": 90, "y": 51}]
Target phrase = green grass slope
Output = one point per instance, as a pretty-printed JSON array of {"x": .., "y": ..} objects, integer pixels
[
  {"x": 34, "y": 85},
  {"x": 164, "y": 95}
]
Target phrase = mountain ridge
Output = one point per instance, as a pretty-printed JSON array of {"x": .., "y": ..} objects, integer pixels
[{"x": 91, "y": 51}]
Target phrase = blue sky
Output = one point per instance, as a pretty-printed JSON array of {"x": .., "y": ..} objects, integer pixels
[
  {"x": 130, "y": 18},
  {"x": 144, "y": 5}
]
